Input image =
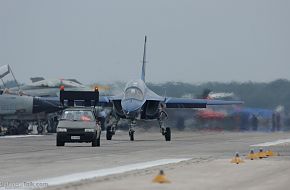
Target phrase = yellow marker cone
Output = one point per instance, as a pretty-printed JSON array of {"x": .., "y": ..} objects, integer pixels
[
  {"x": 161, "y": 178},
  {"x": 262, "y": 154},
  {"x": 252, "y": 155},
  {"x": 237, "y": 159},
  {"x": 271, "y": 153}
]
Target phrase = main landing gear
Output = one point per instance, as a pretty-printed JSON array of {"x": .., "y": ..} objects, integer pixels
[
  {"x": 111, "y": 128},
  {"x": 166, "y": 132}
]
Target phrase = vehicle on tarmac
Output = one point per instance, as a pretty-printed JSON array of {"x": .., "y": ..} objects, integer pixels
[
  {"x": 77, "y": 125},
  {"x": 79, "y": 121}
]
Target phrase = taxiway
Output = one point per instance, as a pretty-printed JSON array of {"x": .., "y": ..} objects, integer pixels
[{"x": 201, "y": 160}]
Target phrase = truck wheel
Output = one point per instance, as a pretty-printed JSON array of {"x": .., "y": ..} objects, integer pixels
[
  {"x": 109, "y": 134},
  {"x": 96, "y": 142},
  {"x": 99, "y": 138},
  {"x": 59, "y": 142},
  {"x": 12, "y": 130},
  {"x": 22, "y": 129}
]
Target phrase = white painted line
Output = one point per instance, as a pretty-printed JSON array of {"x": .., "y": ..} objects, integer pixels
[
  {"x": 19, "y": 136},
  {"x": 273, "y": 143},
  {"x": 105, "y": 172}
]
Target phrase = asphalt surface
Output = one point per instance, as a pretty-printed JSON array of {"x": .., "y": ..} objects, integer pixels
[{"x": 36, "y": 158}]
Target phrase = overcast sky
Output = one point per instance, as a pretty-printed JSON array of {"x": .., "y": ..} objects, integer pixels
[{"x": 188, "y": 40}]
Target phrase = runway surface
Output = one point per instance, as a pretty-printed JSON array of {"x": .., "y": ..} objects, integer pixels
[{"x": 192, "y": 160}]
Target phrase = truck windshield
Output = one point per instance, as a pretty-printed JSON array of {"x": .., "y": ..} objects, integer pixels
[{"x": 77, "y": 115}]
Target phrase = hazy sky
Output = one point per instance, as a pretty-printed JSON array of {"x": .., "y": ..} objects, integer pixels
[{"x": 188, "y": 40}]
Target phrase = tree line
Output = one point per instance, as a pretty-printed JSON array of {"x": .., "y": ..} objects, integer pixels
[{"x": 254, "y": 94}]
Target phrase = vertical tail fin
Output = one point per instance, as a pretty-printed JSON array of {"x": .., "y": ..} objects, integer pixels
[{"x": 144, "y": 61}]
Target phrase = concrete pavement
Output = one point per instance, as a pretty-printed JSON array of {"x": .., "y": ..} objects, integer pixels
[{"x": 36, "y": 158}]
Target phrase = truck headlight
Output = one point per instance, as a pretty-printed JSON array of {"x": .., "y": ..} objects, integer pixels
[
  {"x": 61, "y": 130},
  {"x": 89, "y": 130}
]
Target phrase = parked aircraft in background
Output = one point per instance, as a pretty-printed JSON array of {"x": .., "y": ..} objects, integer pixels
[
  {"x": 16, "y": 111},
  {"x": 48, "y": 88}
]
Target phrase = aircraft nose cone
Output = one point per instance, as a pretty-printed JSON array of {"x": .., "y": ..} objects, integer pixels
[
  {"x": 45, "y": 105},
  {"x": 131, "y": 105}
]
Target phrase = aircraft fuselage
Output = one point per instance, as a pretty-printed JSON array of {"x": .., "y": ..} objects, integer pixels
[{"x": 136, "y": 103}]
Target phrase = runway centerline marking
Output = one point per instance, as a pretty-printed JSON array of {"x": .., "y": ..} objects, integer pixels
[
  {"x": 75, "y": 177},
  {"x": 19, "y": 136},
  {"x": 273, "y": 143}
]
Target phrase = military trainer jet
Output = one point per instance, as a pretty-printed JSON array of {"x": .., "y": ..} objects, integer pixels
[{"x": 138, "y": 102}]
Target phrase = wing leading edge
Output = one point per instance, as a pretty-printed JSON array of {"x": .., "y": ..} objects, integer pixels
[
  {"x": 176, "y": 102},
  {"x": 196, "y": 103}
]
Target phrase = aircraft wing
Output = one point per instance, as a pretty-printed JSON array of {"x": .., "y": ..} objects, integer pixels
[
  {"x": 196, "y": 103},
  {"x": 105, "y": 101}
]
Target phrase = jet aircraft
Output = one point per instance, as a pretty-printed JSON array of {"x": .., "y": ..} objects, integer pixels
[
  {"x": 48, "y": 88},
  {"x": 138, "y": 102},
  {"x": 16, "y": 111}
]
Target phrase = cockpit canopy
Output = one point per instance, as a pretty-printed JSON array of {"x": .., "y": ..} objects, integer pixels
[{"x": 134, "y": 93}]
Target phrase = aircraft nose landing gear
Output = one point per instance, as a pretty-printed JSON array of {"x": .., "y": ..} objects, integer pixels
[
  {"x": 131, "y": 130},
  {"x": 131, "y": 135},
  {"x": 167, "y": 134}
]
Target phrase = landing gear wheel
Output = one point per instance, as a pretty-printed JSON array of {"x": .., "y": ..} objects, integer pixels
[
  {"x": 131, "y": 134},
  {"x": 109, "y": 134},
  {"x": 96, "y": 142},
  {"x": 167, "y": 134},
  {"x": 39, "y": 129},
  {"x": 22, "y": 129},
  {"x": 12, "y": 130}
]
